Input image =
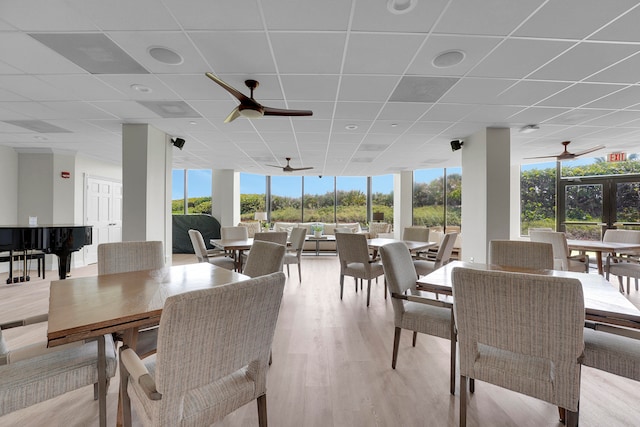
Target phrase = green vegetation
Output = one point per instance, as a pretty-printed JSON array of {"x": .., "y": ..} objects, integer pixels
[{"x": 196, "y": 205}]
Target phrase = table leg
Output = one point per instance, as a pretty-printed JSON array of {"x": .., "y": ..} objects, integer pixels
[
  {"x": 130, "y": 339},
  {"x": 317, "y": 247},
  {"x": 240, "y": 260},
  {"x": 599, "y": 261}
]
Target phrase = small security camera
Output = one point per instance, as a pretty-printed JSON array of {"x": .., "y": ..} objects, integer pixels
[
  {"x": 320, "y": 176},
  {"x": 456, "y": 144},
  {"x": 178, "y": 142}
]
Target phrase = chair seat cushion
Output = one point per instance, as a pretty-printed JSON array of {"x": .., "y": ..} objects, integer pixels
[
  {"x": 27, "y": 382},
  {"x": 612, "y": 353},
  {"x": 427, "y": 319},
  {"x": 628, "y": 269},
  {"x": 358, "y": 270}
]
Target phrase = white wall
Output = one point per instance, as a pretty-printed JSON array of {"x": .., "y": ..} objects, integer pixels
[
  {"x": 402, "y": 202},
  {"x": 225, "y": 206}
]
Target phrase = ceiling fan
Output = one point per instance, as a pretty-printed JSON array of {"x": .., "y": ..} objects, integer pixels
[
  {"x": 566, "y": 155},
  {"x": 288, "y": 168},
  {"x": 249, "y": 107}
]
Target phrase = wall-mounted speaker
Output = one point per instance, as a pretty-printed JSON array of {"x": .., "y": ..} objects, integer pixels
[
  {"x": 456, "y": 144},
  {"x": 178, "y": 142}
]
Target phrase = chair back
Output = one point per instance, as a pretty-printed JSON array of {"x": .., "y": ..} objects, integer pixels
[
  {"x": 523, "y": 332},
  {"x": 264, "y": 258},
  {"x": 298, "y": 234},
  {"x": 352, "y": 248},
  {"x": 121, "y": 257},
  {"x": 417, "y": 234},
  {"x": 279, "y": 237},
  {"x": 344, "y": 230},
  {"x": 399, "y": 273},
  {"x": 446, "y": 248},
  {"x": 234, "y": 233},
  {"x": 559, "y": 242},
  {"x": 253, "y": 227},
  {"x": 521, "y": 254},
  {"x": 199, "y": 247},
  {"x": 216, "y": 341},
  {"x": 376, "y": 228},
  {"x": 621, "y": 236}
]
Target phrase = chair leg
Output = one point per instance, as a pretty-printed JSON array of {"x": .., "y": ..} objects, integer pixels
[
  {"x": 396, "y": 344},
  {"x": 368, "y": 291},
  {"x": 124, "y": 396},
  {"x": 288, "y": 274},
  {"x": 300, "y": 272},
  {"x": 463, "y": 401},
  {"x": 562, "y": 416},
  {"x": 342, "y": 285},
  {"x": 385, "y": 288},
  {"x": 472, "y": 385},
  {"x": 452, "y": 363},
  {"x": 621, "y": 284},
  {"x": 262, "y": 410}
]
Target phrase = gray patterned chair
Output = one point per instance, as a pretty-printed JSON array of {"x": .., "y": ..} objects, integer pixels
[
  {"x": 412, "y": 311},
  {"x": 35, "y": 373},
  {"x": 218, "y": 258},
  {"x": 213, "y": 350},
  {"x": 424, "y": 266},
  {"x": 264, "y": 258},
  {"x": 522, "y": 332},
  {"x": 612, "y": 349},
  {"x": 122, "y": 257},
  {"x": 563, "y": 260},
  {"x": 355, "y": 261},
  {"x": 521, "y": 254}
]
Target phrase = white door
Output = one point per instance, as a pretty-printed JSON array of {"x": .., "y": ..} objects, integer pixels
[{"x": 103, "y": 212}]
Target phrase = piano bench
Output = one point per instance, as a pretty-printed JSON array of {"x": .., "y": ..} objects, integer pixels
[{"x": 13, "y": 257}]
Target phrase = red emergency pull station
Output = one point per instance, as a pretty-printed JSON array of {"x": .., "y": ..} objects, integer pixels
[{"x": 65, "y": 174}]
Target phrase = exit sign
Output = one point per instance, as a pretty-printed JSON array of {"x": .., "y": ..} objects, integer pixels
[{"x": 617, "y": 157}]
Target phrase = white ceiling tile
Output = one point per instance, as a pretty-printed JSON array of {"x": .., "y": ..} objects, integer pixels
[
  {"x": 528, "y": 92},
  {"x": 403, "y": 110},
  {"x": 623, "y": 72},
  {"x": 234, "y": 51},
  {"x": 39, "y": 60},
  {"x": 623, "y": 98},
  {"x": 51, "y": 16},
  {"x": 367, "y": 88},
  {"x": 207, "y": 15},
  {"x": 308, "y": 53},
  {"x": 534, "y": 115},
  {"x": 365, "y": 50},
  {"x": 476, "y": 90},
  {"x": 624, "y": 28},
  {"x": 309, "y": 87},
  {"x": 123, "y": 14},
  {"x": 374, "y": 16},
  {"x": 308, "y": 15},
  {"x": 358, "y": 110},
  {"x": 579, "y": 94}
]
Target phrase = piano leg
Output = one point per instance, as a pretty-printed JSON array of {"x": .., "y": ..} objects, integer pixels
[{"x": 64, "y": 264}]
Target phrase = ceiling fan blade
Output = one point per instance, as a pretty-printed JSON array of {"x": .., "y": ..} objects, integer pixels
[
  {"x": 589, "y": 150},
  {"x": 274, "y": 166},
  {"x": 233, "y": 91},
  {"x": 234, "y": 114},
  {"x": 542, "y": 157},
  {"x": 270, "y": 111},
  {"x": 301, "y": 169}
]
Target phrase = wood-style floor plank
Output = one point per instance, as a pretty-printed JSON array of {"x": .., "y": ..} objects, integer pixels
[{"x": 332, "y": 367}]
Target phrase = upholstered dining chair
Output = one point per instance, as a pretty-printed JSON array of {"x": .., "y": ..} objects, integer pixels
[
  {"x": 417, "y": 234},
  {"x": 522, "y": 332},
  {"x": 264, "y": 258},
  {"x": 279, "y": 237},
  {"x": 218, "y": 258},
  {"x": 123, "y": 257},
  {"x": 253, "y": 227},
  {"x": 294, "y": 254},
  {"x": 355, "y": 261},
  {"x": 412, "y": 311},
  {"x": 376, "y": 228},
  {"x": 612, "y": 349},
  {"x": 563, "y": 260},
  {"x": 213, "y": 352},
  {"x": 626, "y": 264},
  {"x": 424, "y": 266},
  {"x": 35, "y": 373},
  {"x": 234, "y": 233},
  {"x": 521, "y": 254}
]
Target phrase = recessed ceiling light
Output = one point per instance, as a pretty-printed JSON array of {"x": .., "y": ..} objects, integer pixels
[
  {"x": 394, "y": 125},
  {"x": 141, "y": 88},
  {"x": 40, "y": 138},
  {"x": 529, "y": 128},
  {"x": 398, "y": 7},
  {"x": 351, "y": 127},
  {"x": 165, "y": 55},
  {"x": 448, "y": 59},
  {"x": 192, "y": 123}
]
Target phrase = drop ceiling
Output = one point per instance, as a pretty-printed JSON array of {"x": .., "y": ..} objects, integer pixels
[{"x": 72, "y": 72}]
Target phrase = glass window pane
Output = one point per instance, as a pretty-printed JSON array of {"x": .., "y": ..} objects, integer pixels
[
  {"x": 583, "y": 211},
  {"x": 454, "y": 199},
  {"x": 319, "y": 199},
  {"x": 428, "y": 197},
  {"x": 286, "y": 198},
  {"x": 537, "y": 196},
  {"x": 199, "y": 191},
  {"x": 253, "y": 195},
  {"x": 382, "y": 196},
  {"x": 628, "y": 204},
  {"x": 351, "y": 193},
  {"x": 598, "y": 166},
  {"x": 177, "y": 192}
]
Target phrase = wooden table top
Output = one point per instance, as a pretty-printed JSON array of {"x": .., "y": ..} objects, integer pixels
[
  {"x": 87, "y": 307},
  {"x": 411, "y": 244},
  {"x": 600, "y": 246},
  {"x": 603, "y": 302},
  {"x": 233, "y": 244}
]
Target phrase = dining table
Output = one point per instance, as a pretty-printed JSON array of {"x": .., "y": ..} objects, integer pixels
[
  {"x": 237, "y": 246},
  {"x": 89, "y": 307},
  {"x": 603, "y": 302},
  {"x": 598, "y": 247},
  {"x": 412, "y": 245}
]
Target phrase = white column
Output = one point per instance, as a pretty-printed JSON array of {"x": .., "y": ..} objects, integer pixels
[
  {"x": 486, "y": 193},
  {"x": 402, "y": 202},
  {"x": 225, "y": 203},
  {"x": 146, "y": 183}
]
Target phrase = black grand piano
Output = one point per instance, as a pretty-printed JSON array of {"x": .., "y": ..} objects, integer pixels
[{"x": 60, "y": 240}]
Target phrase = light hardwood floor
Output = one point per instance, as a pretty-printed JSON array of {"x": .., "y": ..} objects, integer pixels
[{"x": 332, "y": 367}]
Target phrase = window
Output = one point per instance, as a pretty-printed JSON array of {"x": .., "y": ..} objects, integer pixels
[
  {"x": 286, "y": 198},
  {"x": 537, "y": 196},
  {"x": 194, "y": 187},
  {"x": 454, "y": 198},
  {"x": 428, "y": 197},
  {"x": 253, "y": 195},
  {"x": 319, "y": 199},
  {"x": 382, "y": 196},
  {"x": 351, "y": 196}
]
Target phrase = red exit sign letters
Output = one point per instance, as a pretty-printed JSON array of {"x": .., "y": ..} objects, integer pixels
[{"x": 617, "y": 157}]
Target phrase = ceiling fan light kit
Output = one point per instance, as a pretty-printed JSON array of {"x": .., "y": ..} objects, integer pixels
[{"x": 288, "y": 168}]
